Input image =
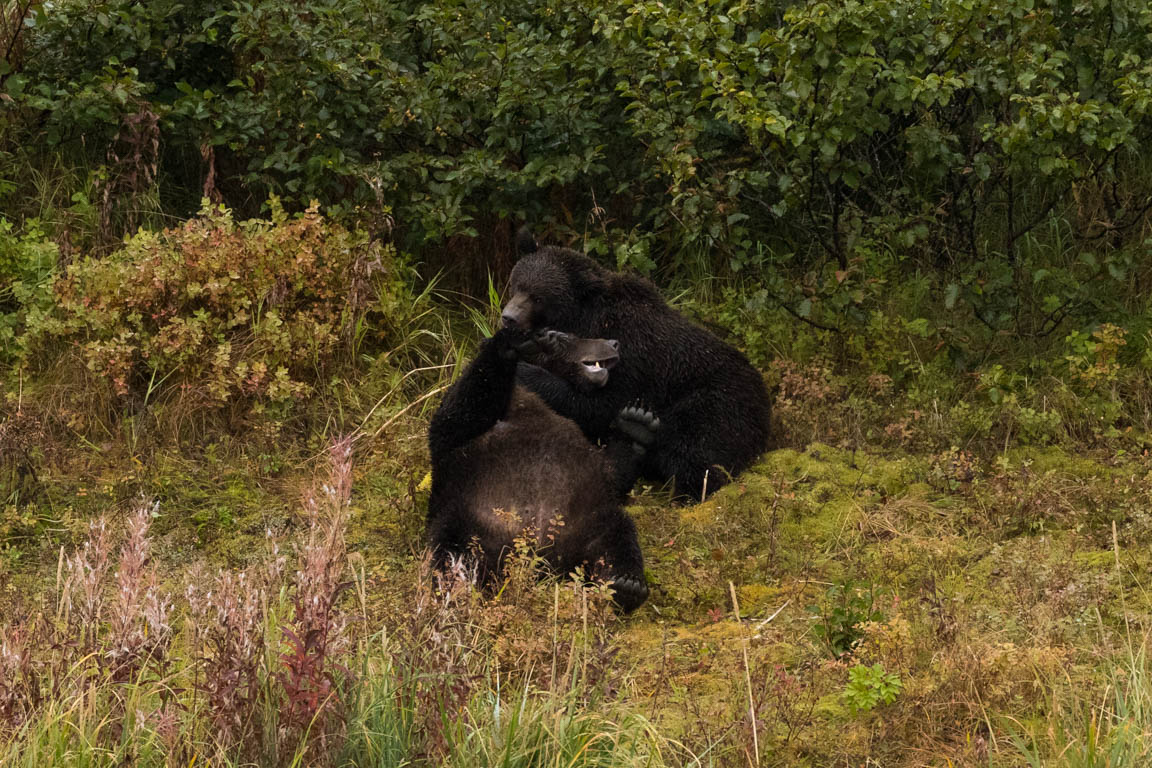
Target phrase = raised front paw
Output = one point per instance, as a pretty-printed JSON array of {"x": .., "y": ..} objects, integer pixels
[
  {"x": 640, "y": 425},
  {"x": 629, "y": 592},
  {"x": 533, "y": 347},
  {"x": 513, "y": 343},
  {"x": 547, "y": 343}
]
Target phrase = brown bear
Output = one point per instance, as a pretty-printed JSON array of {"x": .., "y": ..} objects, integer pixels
[
  {"x": 505, "y": 466},
  {"x": 713, "y": 406}
]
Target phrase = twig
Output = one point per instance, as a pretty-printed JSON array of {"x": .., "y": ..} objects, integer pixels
[
  {"x": 762, "y": 624},
  {"x": 358, "y": 433},
  {"x": 404, "y": 410},
  {"x": 784, "y": 306},
  {"x": 747, "y": 678},
  {"x": 1120, "y": 582},
  {"x": 392, "y": 391},
  {"x": 18, "y": 17}
]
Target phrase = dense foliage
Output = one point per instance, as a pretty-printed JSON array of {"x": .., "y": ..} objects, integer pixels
[
  {"x": 221, "y": 310},
  {"x": 821, "y": 148}
]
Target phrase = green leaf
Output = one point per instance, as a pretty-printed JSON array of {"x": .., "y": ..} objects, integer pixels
[
  {"x": 951, "y": 293},
  {"x": 918, "y": 327}
]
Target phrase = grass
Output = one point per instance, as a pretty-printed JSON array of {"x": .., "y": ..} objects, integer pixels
[
  {"x": 1112, "y": 730},
  {"x": 994, "y": 588},
  {"x": 978, "y": 539},
  {"x": 274, "y": 665}
]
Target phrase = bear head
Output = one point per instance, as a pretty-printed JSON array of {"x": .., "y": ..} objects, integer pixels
[
  {"x": 582, "y": 362},
  {"x": 550, "y": 287}
]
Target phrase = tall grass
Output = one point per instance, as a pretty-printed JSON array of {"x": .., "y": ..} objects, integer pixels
[
  {"x": 1113, "y": 732},
  {"x": 508, "y": 726},
  {"x": 274, "y": 666}
]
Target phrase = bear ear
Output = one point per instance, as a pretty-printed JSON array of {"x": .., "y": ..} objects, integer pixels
[{"x": 525, "y": 241}]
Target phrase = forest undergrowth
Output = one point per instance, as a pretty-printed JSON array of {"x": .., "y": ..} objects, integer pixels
[{"x": 930, "y": 567}]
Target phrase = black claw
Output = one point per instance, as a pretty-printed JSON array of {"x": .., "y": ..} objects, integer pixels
[
  {"x": 639, "y": 424},
  {"x": 630, "y": 592}
]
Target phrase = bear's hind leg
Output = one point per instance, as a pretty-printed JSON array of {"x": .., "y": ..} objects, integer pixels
[
  {"x": 703, "y": 444},
  {"x": 618, "y": 550}
]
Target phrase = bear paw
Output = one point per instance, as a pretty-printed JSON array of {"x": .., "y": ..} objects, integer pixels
[
  {"x": 550, "y": 343},
  {"x": 534, "y": 347},
  {"x": 639, "y": 424},
  {"x": 514, "y": 343},
  {"x": 629, "y": 592}
]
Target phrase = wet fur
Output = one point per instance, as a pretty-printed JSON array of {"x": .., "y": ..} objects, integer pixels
[
  {"x": 505, "y": 466},
  {"x": 713, "y": 405}
]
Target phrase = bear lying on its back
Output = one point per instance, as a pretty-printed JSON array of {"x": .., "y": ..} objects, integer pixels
[
  {"x": 713, "y": 405},
  {"x": 506, "y": 466}
]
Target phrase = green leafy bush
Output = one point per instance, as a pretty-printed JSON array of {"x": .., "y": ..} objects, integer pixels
[
  {"x": 219, "y": 311},
  {"x": 870, "y": 686},
  {"x": 846, "y": 608},
  {"x": 27, "y": 263},
  {"x": 973, "y": 163}
]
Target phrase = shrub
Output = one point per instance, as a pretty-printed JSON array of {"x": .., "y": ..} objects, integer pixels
[
  {"x": 27, "y": 262},
  {"x": 218, "y": 311},
  {"x": 840, "y": 619},
  {"x": 842, "y": 141},
  {"x": 869, "y": 686}
]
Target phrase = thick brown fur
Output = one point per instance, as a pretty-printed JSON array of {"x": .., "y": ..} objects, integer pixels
[
  {"x": 713, "y": 405},
  {"x": 505, "y": 466}
]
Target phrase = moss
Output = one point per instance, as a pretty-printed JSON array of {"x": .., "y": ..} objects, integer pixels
[
  {"x": 831, "y": 707},
  {"x": 755, "y": 598},
  {"x": 1094, "y": 561},
  {"x": 823, "y": 491},
  {"x": 1055, "y": 459},
  {"x": 821, "y": 524},
  {"x": 892, "y": 477},
  {"x": 700, "y": 517}
]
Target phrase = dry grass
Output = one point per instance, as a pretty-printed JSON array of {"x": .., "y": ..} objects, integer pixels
[{"x": 275, "y": 665}]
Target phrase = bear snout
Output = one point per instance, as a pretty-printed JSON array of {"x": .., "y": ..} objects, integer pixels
[{"x": 518, "y": 313}]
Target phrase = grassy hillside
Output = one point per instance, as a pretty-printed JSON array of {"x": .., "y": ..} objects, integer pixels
[{"x": 865, "y": 592}]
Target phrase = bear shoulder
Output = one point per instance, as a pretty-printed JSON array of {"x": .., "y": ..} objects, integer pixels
[{"x": 593, "y": 279}]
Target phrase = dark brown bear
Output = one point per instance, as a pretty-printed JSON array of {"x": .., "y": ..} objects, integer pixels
[
  {"x": 713, "y": 406},
  {"x": 505, "y": 466}
]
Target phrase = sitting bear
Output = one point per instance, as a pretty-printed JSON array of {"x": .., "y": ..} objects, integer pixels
[
  {"x": 713, "y": 405},
  {"x": 504, "y": 466}
]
